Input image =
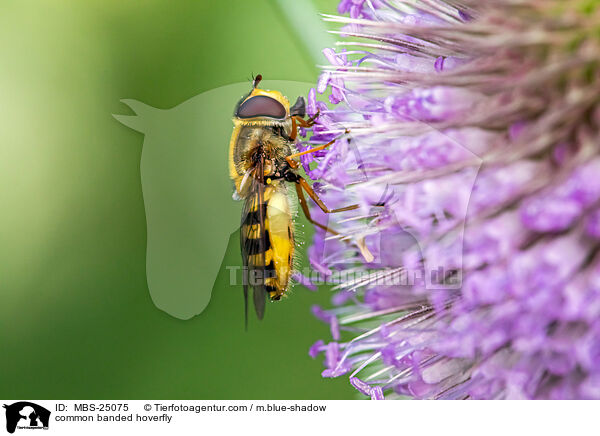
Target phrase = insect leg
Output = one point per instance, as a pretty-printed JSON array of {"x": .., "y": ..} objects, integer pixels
[
  {"x": 312, "y": 119},
  {"x": 295, "y": 164},
  {"x": 312, "y": 194},
  {"x": 299, "y": 121},
  {"x": 302, "y": 184},
  {"x": 306, "y": 123},
  {"x": 306, "y": 210}
]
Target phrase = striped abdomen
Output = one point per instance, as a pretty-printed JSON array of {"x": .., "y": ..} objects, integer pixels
[{"x": 277, "y": 238}]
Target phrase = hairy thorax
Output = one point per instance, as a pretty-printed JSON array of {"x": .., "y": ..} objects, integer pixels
[{"x": 270, "y": 140}]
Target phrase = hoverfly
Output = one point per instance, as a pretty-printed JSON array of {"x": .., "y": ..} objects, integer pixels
[{"x": 261, "y": 163}]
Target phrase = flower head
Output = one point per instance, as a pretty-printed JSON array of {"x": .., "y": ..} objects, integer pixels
[{"x": 474, "y": 157}]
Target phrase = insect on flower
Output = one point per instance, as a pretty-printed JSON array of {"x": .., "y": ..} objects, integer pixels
[{"x": 261, "y": 160}]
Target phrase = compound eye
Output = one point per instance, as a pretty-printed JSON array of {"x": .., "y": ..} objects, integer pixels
[{"x": 261, "y": 106}]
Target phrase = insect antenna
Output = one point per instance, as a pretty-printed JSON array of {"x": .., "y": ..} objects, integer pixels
[{"x": 257, "y": 80}]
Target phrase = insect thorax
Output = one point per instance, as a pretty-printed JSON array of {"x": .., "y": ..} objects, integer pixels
[{"x": 272, "y": 141}]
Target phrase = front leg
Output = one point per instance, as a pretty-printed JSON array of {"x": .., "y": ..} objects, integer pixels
[
  {"x": 299, "y": 121},
  {"x": 294, "y": 164}
]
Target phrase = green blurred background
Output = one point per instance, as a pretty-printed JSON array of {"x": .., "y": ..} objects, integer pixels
[{"x": 76, "y": 318}]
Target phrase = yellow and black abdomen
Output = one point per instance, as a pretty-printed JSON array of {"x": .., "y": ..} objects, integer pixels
[{"x": 269, "y": 245}]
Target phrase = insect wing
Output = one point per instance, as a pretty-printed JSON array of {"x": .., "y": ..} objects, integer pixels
[{"x": 254, "y": 241}]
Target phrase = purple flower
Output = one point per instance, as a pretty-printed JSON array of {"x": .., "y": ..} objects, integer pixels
[{"x": 474, "y": 158}]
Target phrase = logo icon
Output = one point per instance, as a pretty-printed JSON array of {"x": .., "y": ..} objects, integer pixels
[{"x": 26, "y": 415}]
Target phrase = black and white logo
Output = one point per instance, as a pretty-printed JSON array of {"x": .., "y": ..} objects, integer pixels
[{"x": 26, "y": 415}]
